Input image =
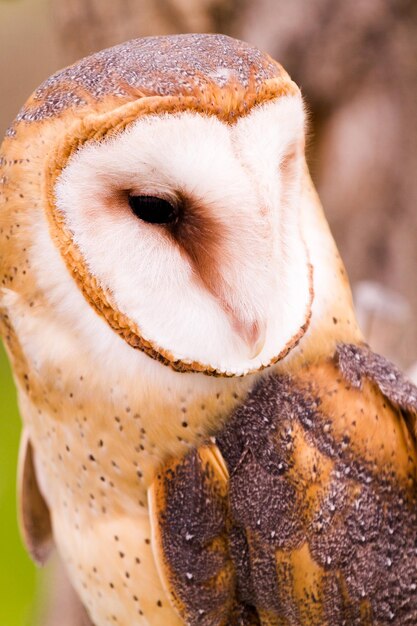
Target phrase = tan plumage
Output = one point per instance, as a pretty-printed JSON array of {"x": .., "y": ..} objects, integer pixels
[{"x": 181, "y": 480}]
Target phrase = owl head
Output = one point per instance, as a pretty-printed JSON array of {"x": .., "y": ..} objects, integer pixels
[{"x": 157, "y": 192}]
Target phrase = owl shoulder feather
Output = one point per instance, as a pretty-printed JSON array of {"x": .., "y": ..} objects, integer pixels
[{"x": 310, "y": 487}]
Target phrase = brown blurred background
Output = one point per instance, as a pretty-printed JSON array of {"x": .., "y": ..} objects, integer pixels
[{"x": 356, "y": 63}]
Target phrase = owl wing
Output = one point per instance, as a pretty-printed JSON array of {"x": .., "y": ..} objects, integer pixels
[
  {"x": 359, "y": 364},
  {"x": 304, "y": 512},
  {"x": 34, "y": 517},
  {"x": 190, "y": 526},
  {"x": 323, "y": 493}
]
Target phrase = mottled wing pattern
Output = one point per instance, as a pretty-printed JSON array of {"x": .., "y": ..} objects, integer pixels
[
  {"x": 306, "y": 512},
  {"x": 189, "y": 511},
  {"x": 358, "y": 364},
  {"x": 323, "y": 494}
]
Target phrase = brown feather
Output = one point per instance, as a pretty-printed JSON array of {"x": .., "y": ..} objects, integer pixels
[
  {"x": 315, "y": 517},
  {"x": 35, "y": 520},
  {"x": 189, "y": 512}
]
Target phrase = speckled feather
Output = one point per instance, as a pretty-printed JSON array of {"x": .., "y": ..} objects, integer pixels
[
  {"x": 153, "y": 66},
  {"x": 320, "y": 521},
  {"x": 359, "y": 364}
]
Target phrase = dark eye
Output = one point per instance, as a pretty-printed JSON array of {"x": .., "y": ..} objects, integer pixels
[{"x": 153, "y": 210}]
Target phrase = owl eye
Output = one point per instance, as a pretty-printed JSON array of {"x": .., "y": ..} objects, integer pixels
[{"x": 153, "y": 210}]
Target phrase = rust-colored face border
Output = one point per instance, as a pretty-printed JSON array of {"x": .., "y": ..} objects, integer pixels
[{"x": 228, "y": 105}]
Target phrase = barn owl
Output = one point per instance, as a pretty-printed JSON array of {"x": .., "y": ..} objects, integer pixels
[{"x": 207, "y": 438}]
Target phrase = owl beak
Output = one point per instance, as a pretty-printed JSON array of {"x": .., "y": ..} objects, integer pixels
[{"x": 253, "y": 334}]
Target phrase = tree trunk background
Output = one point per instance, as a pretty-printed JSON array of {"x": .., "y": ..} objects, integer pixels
[{"x": 86, "y": 26}]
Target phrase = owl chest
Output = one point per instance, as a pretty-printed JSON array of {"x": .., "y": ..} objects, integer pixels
[
  {"x": 94, "y": 468},
  {"x": 96, "y": 459},
  {"x": 99, "y": 442},
  {"x": 96, "y": 454}
]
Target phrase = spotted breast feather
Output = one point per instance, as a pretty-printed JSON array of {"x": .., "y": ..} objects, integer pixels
[{"x": 304, "y": 512}]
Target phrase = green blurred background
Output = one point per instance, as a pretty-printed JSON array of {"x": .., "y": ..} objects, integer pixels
[
  {"x": 27, "y": 56},
  {"x": 17, "y": 573},
  {"x": 357, "y": 66}
]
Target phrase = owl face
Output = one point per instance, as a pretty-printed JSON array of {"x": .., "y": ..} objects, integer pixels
[
  {"x": 165, "y": 210},
  {"x": 190, "y": 226}
]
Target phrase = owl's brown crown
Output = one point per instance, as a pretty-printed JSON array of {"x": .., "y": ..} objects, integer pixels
[{"x": 175, "y": 65}]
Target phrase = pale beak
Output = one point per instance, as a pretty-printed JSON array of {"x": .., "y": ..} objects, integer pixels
[{"x": 253, "y": 334}]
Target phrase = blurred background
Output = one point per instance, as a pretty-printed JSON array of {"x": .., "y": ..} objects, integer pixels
[{"x": 356, "y": 63}]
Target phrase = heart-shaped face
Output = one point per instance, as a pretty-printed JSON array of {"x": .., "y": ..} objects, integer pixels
[
  {"x": 183, "y": 232},
  {"x": 162, "y": 184}
]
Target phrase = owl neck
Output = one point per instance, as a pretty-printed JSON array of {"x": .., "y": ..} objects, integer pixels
[{"x": 333, "y": 318}]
